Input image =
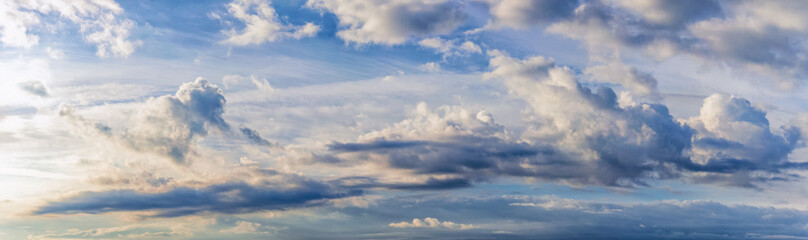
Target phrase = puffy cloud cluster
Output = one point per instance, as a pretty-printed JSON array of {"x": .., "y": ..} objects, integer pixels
[
  {"x": 430, "y": 223},
  {"x": 99, "y": 20},
  {"x": 392, "y": 22},
  {"x": 735, "y": 136},
  {"x": 262, "y": 26},
  {"x": 579, "y": 136},
  {"x": 171, "y": 125}
]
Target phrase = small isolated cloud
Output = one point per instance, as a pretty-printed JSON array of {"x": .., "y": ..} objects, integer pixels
[
  {"x": 262, "y": 24},
  {"x": 430, "y": 67},
  {"x": 431, "y": 223},
  {"x": 34, "y": 87},
  {"x": 392, "y": 22}
]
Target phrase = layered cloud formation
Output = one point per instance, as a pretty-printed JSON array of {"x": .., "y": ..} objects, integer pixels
[
  {"x": 579, "y": 136},
  {"x": 403, "y": 119}
]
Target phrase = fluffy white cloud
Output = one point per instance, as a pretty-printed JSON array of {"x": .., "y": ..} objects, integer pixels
[
  {"x": 732, "y": 134},
  {"x": 14, "y": 23},
  {"x": 99, "y": 21},
  {"x": 430, "y": 223},
  {"x": 392, "y": 22},
  {"x": 170, "y": 125},
  {"x": 262, "y": 26}
]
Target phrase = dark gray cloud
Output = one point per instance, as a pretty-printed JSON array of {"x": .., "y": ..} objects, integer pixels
[{"x": 230, "y": 198}]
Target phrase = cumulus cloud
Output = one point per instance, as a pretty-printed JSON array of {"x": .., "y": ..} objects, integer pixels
[
  {"x": 170, "y": 125},
  {"x": 262, "y": 26},
  {"x": 392, "y": 22},
  {"x": 579, "y": 136},
  {"x": 228, "y": 198},
  {"x": 733, "y": 135},
  {"x": 430, "y": 223},
  {"x": 99, "y": 21}
]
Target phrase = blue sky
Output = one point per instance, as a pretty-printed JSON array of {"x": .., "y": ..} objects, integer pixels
[{"x": 403, "y": 119}]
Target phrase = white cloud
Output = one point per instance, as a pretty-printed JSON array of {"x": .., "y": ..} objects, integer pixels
[
  {"x": 552, "y": 202},
  {"x": 262, "y": 26},
  {"x": 170, "y": 125},
  {"x": 14, "y": 23},
  {"x": 54, "y": 53},
  {"x": 430, "y": 67},
  {"x": 392, "y": 22},
  {"x": 731, "y": 128},
  {"x": 430, "y": 223},
  {"x": 99, "y": 21},
  {"x": 450, "y": 47}
]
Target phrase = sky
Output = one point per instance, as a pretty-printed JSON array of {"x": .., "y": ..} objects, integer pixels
[{"x": 403, "y": 119}]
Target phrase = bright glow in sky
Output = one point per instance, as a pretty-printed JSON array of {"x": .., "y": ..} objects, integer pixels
[{"x": 403, "y": 119}]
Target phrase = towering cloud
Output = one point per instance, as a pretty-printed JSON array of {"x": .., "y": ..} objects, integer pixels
[
  {"x": 579, "y": 136},
  {"x": 170, "y": 125}
]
